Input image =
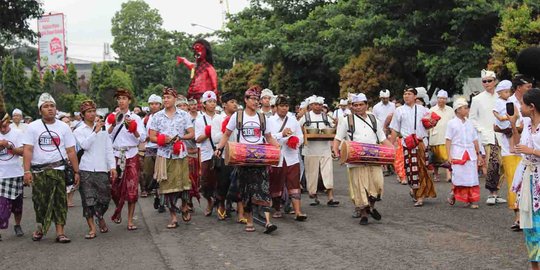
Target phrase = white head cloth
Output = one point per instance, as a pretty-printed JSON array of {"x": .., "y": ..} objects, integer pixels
[
  {"x": 442, "y": 94},
  {"x": 45, "y": 97},
  {"x": 155, "y": 99},
  {"x": 208, "y": 95},
  {"x": 384, "y": 93},
  {"x": 487, "y": 74},
  {"x": 361, "y": 97}
]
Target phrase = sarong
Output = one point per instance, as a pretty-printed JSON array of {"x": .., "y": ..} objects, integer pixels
[
  {"x": 365, "y": 184},
  {"x": 285, "y": 176},
  {"x": 95, "y": 190},
  {"x": 417, "y": 174},
  {"x": 8, "y": 206},
  {"x": 254, "y": 187},
  {"x": 314, "y": 165},
  {"x": 148, "y": 168},
  {"x": 399, "y": 162},
  {"x": 224, "y": 183},
  {"x": 50, "y": 198},
  {"x": 194, "y": 173},
  {"x": 510, "y": 165},
  {"x": 494, "y": 168},
  {"x": 439, "y": 154},
  {"x": 466, "y": 194},
  {"x": 177, "y": 184},
  {"x": 208, "y": 180},
  {"x": 126, "y": 188}
]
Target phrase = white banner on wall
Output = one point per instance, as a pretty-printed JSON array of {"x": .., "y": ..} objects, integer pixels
[{"x": 52, "y": 42}]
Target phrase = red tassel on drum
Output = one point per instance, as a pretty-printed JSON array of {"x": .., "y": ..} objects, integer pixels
[
  {"x": 161, "y": 139},
  {"x": 178, "y": 147},
  {"x": 111, "y": 118},
  {"x": 293, "y": 142},
  {"x": 132, "y": 126},
  {"x": 225, "y": 123}
]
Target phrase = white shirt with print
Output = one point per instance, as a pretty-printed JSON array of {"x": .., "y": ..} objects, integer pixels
[{"x": 44, "y": 146}]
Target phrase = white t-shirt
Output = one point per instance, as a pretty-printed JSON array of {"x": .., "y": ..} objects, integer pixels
[
  {"x": 382, "y": 111},
  {"x": 206, "y": 147},
  {"x": 500, "y": 108},
  {"x": 251, "y": 129},
  {"x": 44, "y": 148},
  {"x": 10, "y": 164}
]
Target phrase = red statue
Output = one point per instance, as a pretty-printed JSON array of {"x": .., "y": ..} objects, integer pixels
[{"x": 203, "y": 74}]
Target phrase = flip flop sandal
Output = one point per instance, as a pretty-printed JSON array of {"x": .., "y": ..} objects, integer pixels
[
  {"x": 332, "y": 203},
  {"x": 411, "y": 193},
  {"x": 375, "y": 214},
  {"x": 117, "y": 220},
  {"x": 474, "y": 206},
  {"x": 269, "y": 228},
  {"x": 173, "y": 225},
  {"x": 418, "y": 204},
  {"x": 37, "y": 236},
  {"x": 186, "y": 216},
  {"x": 242, "y": 221},
  {"x": 221, "y": 215},
  {"x": 132, "y": 227},
  {"x": 104, "y": 230},
  {"x": 301, "y": 217},
  {"x": 208, "y": 212},
  {"x": 451, "y": 200},
  {"x": 315, "y": 202},
  {"x": 277, "y": 215},
  {"x": 90, "y": 236},
  {"x": 249, "y": 228},
  {"x": 62, "y": 239}
]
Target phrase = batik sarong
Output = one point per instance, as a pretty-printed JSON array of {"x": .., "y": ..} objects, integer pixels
[
  {"x": 417, "y": 174},
  {"x": 95, "y": 190},
  {"x": 11, "y": 199},
  {"x": 50, "y": 198},
  {"x": 194, "y": 165},
  {"x": 126, "y": 188},
  {"x": 254, "y": 187},
  {"x": 494, "y": 168}
]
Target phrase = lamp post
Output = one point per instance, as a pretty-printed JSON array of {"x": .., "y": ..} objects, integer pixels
[{"x": 211, "y": 29}]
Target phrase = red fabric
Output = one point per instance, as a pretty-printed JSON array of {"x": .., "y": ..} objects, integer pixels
[
  {"x": 145, "y": 122},
  {"x": 178, "y": 147},
  {"x": 208, "y": 131},
  {"x": 126, "y": 188},
  {"x": 111, "y": 118},
  {"x": 132, "y": 126},
  {"x": 466, "y": 194},
  {"x": 161, "y": 139},
  {"x": 411, "y": 141},
  {"x": 225, "y": 123},
  {"x": 194, "y": 173},
  {"x": 463, "y": 160},
  {"x": 430, "y": 120},
  {"x": 293, "y": 142}
]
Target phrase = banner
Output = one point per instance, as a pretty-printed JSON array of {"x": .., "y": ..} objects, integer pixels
[{"x": 51, "y": 42}]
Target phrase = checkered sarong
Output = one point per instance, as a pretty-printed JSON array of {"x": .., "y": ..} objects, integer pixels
[
  {"x": 412, "y": 167},
  {"x": 11, "y": 188}
]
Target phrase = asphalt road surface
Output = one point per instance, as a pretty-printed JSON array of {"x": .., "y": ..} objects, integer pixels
[{"x": 436, "y": 236}]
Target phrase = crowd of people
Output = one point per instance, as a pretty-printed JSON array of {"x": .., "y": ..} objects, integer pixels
[{"x": 174, "y": 150}]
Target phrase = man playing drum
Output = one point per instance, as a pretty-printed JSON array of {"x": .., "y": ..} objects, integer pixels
[{"x": 365, "y": 181}]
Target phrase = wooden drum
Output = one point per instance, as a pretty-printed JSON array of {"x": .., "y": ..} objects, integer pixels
[
  {"x": 365, "y": 153},
  {"x": 240, "y": 154}
]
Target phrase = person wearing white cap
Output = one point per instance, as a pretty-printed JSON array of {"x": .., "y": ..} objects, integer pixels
[
  {"x": 266, "y": 107},
  {"x": 18, "y": 124},
  {"x": 365, "y": 181},
  {"x": 407, "y": 121},
  {"x": 383, "y": 108},
  {"x": 437, "y": 134},
  {"x": 48, "y": 145},
  {"x": 154, "y": 103},
  {"x": 464, "y": 155},
  {"x": 208, "y": 134},
  {"x": 483, "y": 120},
  {"x": 318, "y": 154},
  {"x": 342, "y": 111}
]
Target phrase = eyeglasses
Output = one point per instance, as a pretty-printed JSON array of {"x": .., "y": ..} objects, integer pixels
[{"x": 487, "y": 81}]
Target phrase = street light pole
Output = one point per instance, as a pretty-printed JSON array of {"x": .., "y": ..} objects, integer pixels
[{"x": 211, "y": 29}]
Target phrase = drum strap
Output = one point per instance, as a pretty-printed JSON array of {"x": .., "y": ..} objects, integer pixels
[
  {"x": 284, "y": 123},
  {"x": 210, "y": 138},
  {"x": 324, "y": 120},
  {"x": 373, "y": 125},
  {"x": 240, "y": 124}
]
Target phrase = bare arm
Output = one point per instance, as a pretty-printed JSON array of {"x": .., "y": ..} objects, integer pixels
[{"x": 28, "y": 151}]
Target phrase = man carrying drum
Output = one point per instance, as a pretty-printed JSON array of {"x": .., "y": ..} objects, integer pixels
[
  {"x": 365, "y": 180},
  {"x": 253, "y": 180}
]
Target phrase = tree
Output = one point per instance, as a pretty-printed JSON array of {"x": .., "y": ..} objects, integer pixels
[
  {"x": 72, "y": 78},
  {"x": 16, "y": 93},
  {"x": 14, "y": 20},
  {"x": 95, "y": 81},
  {"x": 242, "y": 76},
  {"x": 34, "y": 88},
  {"x": 370, "y": 72},
  {"x": 48, "y": 81},
  {"x": 520, "y": 29},
  {"x": 108, "y": 88}
]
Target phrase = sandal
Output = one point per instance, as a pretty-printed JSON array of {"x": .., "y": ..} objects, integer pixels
[
  {"x": 186, "y": 216},
  {"x": 90, "y": 236},
  {"x": 132, "y": 227},
  {"x": 451, "y": 200},
  {"x": 269, "y": 228},
  {"x": 221, "y": 215},
  {"x": 37, "y": 236},
  {"x": 117, "y": 220},
  {"x": 411, "y": 193},
  {"x": 277, "y": 214},
  {"x": 242, "y": 221},
  {"x": 474, "y": 206},
  {"x": 374, "y": 214},
  {"x": 315, "y": 202},
  {"x": 332, "y": 203},
  {"x": 249, "y": 228},
  {"x": 419, "y": 204},
  {"x": 173, "y": 225},
  {"x": 301, "y": 217},
  {"x": 62, "y": 239}
]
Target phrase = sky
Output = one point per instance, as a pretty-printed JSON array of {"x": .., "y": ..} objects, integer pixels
[{"x": 88, "y": 23}]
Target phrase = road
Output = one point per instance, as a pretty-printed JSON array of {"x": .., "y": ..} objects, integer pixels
[{"x": 436, "y": 236}]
